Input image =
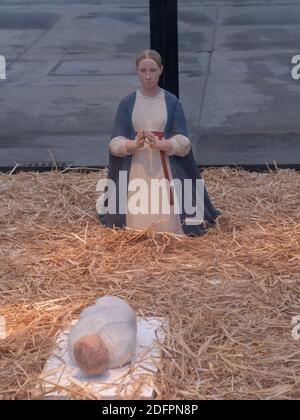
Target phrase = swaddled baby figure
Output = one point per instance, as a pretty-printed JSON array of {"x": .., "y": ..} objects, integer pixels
[{"x": 104, "y": 337}]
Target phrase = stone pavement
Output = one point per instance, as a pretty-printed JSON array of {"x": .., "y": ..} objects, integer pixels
[{"x": 69, "y": 62}]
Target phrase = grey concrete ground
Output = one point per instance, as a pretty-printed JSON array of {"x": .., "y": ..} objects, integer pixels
[{"x": 69, "y": 64}]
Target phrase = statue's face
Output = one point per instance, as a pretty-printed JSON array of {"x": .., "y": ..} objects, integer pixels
[{"x": 149, "y": 73}]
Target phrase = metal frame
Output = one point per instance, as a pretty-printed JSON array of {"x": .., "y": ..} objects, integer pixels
[{"x": 164, "y": 39}]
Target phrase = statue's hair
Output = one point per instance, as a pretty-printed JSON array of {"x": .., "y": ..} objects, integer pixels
[{"x": 154, "y": 55}]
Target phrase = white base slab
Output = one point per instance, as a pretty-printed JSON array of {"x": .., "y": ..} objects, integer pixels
[{"x": 134, "y": 380}]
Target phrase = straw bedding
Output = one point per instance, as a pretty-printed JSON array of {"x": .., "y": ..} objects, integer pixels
[{"x": 229, "y": 296}]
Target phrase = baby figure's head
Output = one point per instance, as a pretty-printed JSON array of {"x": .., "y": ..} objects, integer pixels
[{"x": 91, "y": 355}]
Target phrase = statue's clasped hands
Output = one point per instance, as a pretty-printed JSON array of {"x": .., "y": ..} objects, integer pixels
[{"x": 149, "y": 138}]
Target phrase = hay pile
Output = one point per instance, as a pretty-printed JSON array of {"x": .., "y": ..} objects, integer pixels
[{"x": 229, "y": 296}]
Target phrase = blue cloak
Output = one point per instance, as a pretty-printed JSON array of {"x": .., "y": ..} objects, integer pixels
[{"x": 181, "y": 167}]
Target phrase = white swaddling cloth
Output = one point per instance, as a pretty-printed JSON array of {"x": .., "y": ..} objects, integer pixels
[{"x": 112, "y": 320}]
